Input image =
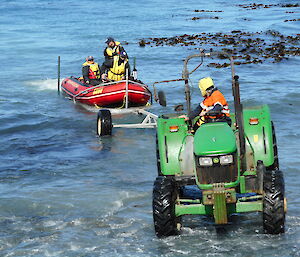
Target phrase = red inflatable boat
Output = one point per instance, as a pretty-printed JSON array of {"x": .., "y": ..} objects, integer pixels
[{"x": 112, "y": 94}]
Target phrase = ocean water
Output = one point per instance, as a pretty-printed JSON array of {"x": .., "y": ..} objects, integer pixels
[{"x": 66, "y": 192}]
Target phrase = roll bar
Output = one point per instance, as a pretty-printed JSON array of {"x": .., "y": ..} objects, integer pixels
[{"x": 238, "y": 107}]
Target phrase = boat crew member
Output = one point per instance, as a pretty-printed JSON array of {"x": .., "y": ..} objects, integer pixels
[
  {"x": 91, "y": 72},
  {"x": 115, "y": 69},
  {"x": 214, "y": 101},
  {"x": 113, "y": 48}
]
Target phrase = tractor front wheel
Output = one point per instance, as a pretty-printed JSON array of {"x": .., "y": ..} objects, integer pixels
[
  {"x": 164, "y": 199},
  {"x": 273, "y": 202}
]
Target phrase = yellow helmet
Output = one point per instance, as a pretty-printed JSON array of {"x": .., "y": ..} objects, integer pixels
[{"x": 204, "y": 84}]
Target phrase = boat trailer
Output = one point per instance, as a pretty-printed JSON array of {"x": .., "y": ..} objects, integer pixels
[
  {"x": 104, "y": 118},
  {"x": 105, "y": 125}
]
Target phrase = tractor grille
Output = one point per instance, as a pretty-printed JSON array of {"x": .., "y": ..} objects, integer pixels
[{"x": 217, "y": 173}]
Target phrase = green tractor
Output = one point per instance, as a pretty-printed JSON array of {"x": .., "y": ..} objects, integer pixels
[{"x": 230, "y": 169}]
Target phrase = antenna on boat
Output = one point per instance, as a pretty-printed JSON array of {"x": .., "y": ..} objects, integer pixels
[
  {"x": 134, "y": 71},
  {"x": 58, "y": 75},
  {"x": 126, "y": 90}
]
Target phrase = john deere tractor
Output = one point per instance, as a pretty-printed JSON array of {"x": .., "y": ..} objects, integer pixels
[{"x": 229, "y": 169}]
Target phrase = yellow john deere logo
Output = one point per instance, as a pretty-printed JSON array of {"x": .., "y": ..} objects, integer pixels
[{"x": 216, "y": 160}]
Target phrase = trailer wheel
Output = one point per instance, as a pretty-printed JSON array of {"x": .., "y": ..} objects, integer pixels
[
  {"x": 273, "y": 202},
  {"x": 104, "y": 123},
  {"x": 164, "y": 200}
]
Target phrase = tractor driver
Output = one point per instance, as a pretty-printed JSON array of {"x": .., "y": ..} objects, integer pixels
[{"x": 214, "y": 101}]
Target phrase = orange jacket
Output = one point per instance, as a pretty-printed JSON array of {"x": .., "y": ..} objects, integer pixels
[{"x": 215, "y": 98}]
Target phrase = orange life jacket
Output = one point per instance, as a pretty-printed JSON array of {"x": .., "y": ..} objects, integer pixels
[{"x": 215, "y": 98}]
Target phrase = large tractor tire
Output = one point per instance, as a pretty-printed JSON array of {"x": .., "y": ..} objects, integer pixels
[
  {"x": 104, "y": 123},
  {"x": 164, "y": 200},
  {"x": 273, "y": 202}
]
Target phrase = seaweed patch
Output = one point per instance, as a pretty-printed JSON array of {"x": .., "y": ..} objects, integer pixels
[
  {"x": 254, "y": 6},
  {"x": 246, "y": 47}
]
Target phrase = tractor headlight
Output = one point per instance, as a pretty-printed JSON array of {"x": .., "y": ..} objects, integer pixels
[
  {"x": 226, "y": 159},
  {"x": 205, "y": 161}
]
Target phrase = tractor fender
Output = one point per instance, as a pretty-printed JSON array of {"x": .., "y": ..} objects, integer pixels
[
  {"x": 171, "y": 132},
  {"x": 258, "y": 136}
]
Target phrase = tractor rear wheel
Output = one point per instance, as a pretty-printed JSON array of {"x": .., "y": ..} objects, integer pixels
[
  {"x": 104, "y": 123},
  {"x": 164, "y": 199},
  {"x": 273, "y": 202}
]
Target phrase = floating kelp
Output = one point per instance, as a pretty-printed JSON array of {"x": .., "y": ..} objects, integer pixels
[
  {"x": 246, "y": 47},
  {"x": 292, "y": 20},
  {"x": 206, "y": 11},
  {"x": 257, "y": 6},
  {"x": 290, "y": 5},
  {"x": 202, "y": 18}
]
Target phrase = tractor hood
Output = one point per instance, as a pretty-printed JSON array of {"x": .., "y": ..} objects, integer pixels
[{"x": 214, "y": 138}]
